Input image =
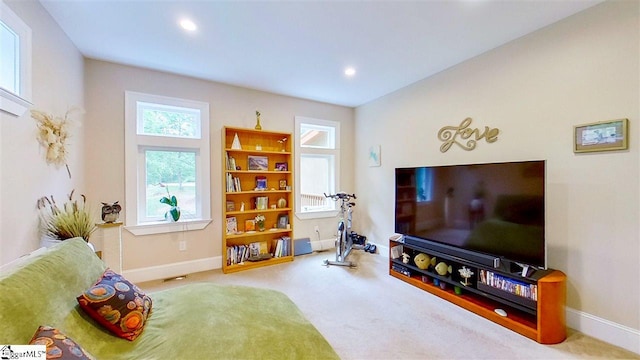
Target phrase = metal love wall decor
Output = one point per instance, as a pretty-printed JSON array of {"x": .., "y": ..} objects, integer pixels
[{"x": 465, "y": 136}]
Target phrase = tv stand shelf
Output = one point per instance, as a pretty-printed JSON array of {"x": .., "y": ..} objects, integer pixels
[{"x": 542, "y": 320}]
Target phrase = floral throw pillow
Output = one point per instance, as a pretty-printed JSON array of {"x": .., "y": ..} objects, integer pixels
[
  {"x": 59, "y": 346},
  {"x": 117, "y": 304}
]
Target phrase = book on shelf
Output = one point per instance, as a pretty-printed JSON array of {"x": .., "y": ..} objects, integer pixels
[
  {"x": 262, "y": 202},
  {"x": 249, "y": 225},
  {"x": 261, "y": 182},
  {"x": 237, "y": 254},
  {"x": 232, "y": 225},
  {"x": 510, "y": 285},
  {"x": 231, "y": 162},
  {"x": 233, "y": 183}
]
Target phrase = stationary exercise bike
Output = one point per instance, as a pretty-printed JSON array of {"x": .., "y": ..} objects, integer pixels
[{"x": 344, "y": 242}]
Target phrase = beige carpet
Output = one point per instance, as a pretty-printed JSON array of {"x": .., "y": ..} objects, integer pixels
[{"x": 366, "y": 314}]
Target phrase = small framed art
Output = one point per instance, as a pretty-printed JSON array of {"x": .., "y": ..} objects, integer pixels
[
  {"x": 283, "y": 221},
  {"x": 282, "y": 166},
  {"x": 258, "y": 162},
  {"x": 601, "y": 136},
  {"x": 249, "y": 225},
  {"x": 261, "y": 182},
  {"x": 282, "y": 184}
]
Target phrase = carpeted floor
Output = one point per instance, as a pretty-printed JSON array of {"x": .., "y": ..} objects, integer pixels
[{"x": 366, "y": 314}]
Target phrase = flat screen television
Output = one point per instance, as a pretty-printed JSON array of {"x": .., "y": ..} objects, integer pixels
[{"x": 496, "y": 209}]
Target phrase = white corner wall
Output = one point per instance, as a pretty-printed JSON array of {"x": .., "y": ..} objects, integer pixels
[
  {"x": 57, "y": 85},
  {"x": 583, "y": 69}
]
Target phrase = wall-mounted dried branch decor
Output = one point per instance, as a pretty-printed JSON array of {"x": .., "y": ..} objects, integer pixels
[{"x": 449, "y": 135}]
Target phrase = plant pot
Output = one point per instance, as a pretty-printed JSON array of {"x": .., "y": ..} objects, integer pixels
[
  {"x": 173, "y": 214},
  {"x": 47, "y": 241}
]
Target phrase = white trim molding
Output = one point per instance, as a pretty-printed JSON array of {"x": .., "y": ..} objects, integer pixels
[
  {"x": 168, "y": 271},
  {"x": 605, "y": 330}
]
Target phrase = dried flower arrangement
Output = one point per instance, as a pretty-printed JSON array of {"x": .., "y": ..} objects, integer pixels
[
  {"x": 73, "y": 219},
  {"x": 53, "y": 132}
]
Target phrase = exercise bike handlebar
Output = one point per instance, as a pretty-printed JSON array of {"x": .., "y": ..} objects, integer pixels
[{"x": 341, "y": 195}]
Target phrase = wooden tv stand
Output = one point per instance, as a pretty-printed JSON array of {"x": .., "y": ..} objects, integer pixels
[{"x": 542, "y": 320}]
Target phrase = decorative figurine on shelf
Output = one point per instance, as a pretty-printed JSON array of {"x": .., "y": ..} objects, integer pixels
[
  {"x": 283, "y": 141},
  {"x": 443, "y": 269},
  {"x": 405, "y": 258},
  {"x": 236, "y": 143},
  {"x": 466, "y": 273},
  {"x": 422, "y": 261},
  {"x": 110, "y": 212},
  {"x": 258, "y": 126}
]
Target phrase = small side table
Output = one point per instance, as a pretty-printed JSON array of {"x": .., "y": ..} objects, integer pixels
[{"x": 109, "y": 243}]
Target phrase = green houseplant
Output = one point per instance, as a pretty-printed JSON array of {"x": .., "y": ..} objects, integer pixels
[
  {"x": 71, "y": 219},
  {"x": 174, "y": 212}
]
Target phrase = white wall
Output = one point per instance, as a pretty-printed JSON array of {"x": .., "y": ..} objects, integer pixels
[
  {"x": 229, "y": 106},
  {"x": 535, "y": 89},
  {"x": 57, "y": 85}
]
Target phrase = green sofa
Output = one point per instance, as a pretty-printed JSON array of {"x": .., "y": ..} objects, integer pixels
[{"x": 194, "y": 321}]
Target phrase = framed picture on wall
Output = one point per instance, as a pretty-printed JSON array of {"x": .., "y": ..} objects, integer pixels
[{"x": 601, "y": 136}]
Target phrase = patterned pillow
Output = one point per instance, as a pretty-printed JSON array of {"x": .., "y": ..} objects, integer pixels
[
  {"x": 117, "y": 304},
  {"x": 59, "y": 346}
]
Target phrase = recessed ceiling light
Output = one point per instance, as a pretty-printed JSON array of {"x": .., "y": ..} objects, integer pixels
[
  {"x": 188, "y": 25},
  {"x": 350, "y": 71}
]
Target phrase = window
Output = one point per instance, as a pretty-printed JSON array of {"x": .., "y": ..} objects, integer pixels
[
  {"x": 167, "y": 151},
  {"x": 424, "y": 184},
  {"x": 317, "y": 164},
  {"x": 15, "y": 62}
]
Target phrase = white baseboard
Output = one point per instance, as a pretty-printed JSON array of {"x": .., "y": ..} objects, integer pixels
[
  {"x": 168, "y": 271},
  {"x": 605, "y": 330}
]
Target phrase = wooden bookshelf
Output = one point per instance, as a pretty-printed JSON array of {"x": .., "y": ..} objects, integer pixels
[{"x": 240, "y": 181}]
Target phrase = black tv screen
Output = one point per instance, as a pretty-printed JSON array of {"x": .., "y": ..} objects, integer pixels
[{"x": 495, "y": 209}]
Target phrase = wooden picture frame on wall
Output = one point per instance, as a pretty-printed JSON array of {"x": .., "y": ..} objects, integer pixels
[{"x": 601, "y": 136}]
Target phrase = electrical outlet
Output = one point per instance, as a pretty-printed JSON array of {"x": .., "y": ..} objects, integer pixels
[
  {"x": 183, "y": 245},
  {"x": 316, "y": 228}
]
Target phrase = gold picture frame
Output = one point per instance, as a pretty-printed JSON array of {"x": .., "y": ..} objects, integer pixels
[{"x": 601, "y": 136}]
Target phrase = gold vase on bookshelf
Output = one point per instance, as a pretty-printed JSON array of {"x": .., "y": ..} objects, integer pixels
[{"x": 258, "y": 180}]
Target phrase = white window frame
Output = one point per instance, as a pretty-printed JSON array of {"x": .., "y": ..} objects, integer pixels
[
  {"x": 17, "y": 103},
  {"x": 135, "y": 166},
  {"x": 299, "y": 151}
]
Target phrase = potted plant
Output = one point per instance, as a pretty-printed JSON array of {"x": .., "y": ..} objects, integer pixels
[
  {"x": 174, "y": 212},
  {"x": 71, "y": 219}
]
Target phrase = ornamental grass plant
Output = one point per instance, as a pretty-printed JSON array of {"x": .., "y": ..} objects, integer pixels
[{"x": 72, "y": 219}]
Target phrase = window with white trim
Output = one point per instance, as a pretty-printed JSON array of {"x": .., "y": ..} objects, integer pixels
[
  {"x": 15, "y": 62},
  {"x": 317, "y": 166},
  {"x": 166, "y": 153}
]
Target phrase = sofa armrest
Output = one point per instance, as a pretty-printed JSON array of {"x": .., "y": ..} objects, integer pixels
[{"x": 42, "y": 289}]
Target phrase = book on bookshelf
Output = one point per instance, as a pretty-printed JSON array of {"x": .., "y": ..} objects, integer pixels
[
  {"x": 261, "y": 182},
  {"x": 262, "y": 202},
  {"x": 250, "y": 225},
  {"x": 510, "y": 285},
  {"x": 232, "y": 225}
]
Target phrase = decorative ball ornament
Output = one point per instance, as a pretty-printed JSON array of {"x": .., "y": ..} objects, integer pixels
[{"x": 422, "y": 261}]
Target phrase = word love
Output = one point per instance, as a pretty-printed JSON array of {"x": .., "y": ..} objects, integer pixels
[{"x": 451, "y": 134}]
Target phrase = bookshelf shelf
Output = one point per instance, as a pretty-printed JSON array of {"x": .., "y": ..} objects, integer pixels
[{"x": 263, "y": 157}]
